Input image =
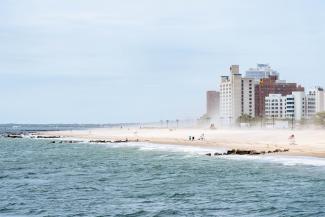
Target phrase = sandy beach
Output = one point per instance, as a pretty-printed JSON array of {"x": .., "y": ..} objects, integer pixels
[{"x": 306, "y": 142}]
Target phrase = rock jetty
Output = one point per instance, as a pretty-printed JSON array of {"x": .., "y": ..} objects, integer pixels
[
  {"x": 48, "y": 137},
  {"x": 247, "y": 152},
  {"x": 66, "y": 141},
  {"x": 113, "y": 141},
  {"x": 15, "y": 136}
]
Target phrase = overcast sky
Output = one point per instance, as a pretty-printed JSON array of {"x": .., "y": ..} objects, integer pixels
[{"x": 127, "y": 61}]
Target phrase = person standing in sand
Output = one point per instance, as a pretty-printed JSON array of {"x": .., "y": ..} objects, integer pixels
[{"x": 292, "y": 140}]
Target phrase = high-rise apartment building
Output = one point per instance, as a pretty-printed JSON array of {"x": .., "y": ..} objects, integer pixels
[
  {"x": 260, "y": 93},
  {"x": 315, "y": 101},
  {"x": 236, "y": 96},
  {"x": 300, "y": 104},
  {"x": 272, "y": 85}
]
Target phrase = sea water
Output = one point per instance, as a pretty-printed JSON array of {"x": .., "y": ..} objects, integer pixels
[{"x": 39, "y": 178}]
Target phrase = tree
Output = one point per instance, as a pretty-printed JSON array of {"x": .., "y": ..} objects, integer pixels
[
  {"x": 245, "y": 118},
  {"x": 303, "y": 121},
  {"x": 319, "y": 118}
]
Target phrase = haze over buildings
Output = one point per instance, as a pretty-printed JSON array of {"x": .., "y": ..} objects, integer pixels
[
  {"x": 213, "y": 102},
  {"x": 261, "y": 94}
]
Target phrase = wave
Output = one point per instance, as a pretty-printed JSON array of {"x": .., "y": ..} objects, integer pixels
[
  {"x": 168, "y": 148},
  {"x": 195, "y": 150},
  {"x": 281, "y": 159},
  {"x": 285, "y": 160}
]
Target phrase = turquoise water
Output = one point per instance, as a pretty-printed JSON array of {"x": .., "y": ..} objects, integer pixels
[{"x": 42, "y": 179}]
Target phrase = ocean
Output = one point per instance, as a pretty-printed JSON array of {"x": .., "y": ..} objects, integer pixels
[{"x": 39, "y": 178}]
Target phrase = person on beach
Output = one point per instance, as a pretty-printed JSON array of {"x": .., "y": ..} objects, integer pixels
[{"x": 292, "y": 140}]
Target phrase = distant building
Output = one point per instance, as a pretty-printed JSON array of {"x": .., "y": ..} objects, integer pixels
[
  {"x": 315, "y": 101},
  {"x": 261, "y": 94},
  {"x": 272, "y": 85},
  {"x": 297, "y": 105},
  {"x": 236, "y": 96},
  {"x": 300, "y": 104},
  {"x": 260, "y": 72},
  {"x": 279, "y": 107},
  {"x": 212, "y": 109},
  {"x": 213, "y": 101}
]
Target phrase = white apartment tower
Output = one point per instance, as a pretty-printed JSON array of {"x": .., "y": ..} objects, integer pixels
[
  {"x": 299, "y": 105},
  {"x": 236, "y": 96},
  {"x": 280, "y": 107},
  {"x": 314, "y": 101}
]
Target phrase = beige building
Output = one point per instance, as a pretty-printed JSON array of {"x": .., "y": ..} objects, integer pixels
[{"x": 236, "y": 96}]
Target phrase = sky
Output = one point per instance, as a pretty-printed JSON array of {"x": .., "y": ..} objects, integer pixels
[{"x": 104, "y": 61}]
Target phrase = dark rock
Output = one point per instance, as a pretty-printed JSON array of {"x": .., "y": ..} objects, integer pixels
[
  {"x": 14, "y": 136},
  {"x": 254, "y": 152},
  {"x": 242, "y": 152},
  {"x": 217, "y": 154},
  {"x": 120, "y": 141},
  {"x": 98, "y": 141},
  {"x": 48, "y": 137},
  {"x": 251, "y": 152},
  {"x": 208, "y": 154},
  {"x": 69, "y": 141},
  {"x": 232, "y": 151}
]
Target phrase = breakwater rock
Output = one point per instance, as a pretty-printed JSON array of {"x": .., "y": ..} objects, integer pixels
[
  {"x": 113, "y": 141},
  {"x": 247, "y": 152},
  {"x": 15, "y": 136},
  {"x": 66, "y": 141},
  {"x": 48, "y": 137}
]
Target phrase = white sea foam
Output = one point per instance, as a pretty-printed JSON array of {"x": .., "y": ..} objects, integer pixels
[
  {"x": 281, "y": 159},
  {"x": 194, "y": 150},
  {"x": 168, "y": 148}
]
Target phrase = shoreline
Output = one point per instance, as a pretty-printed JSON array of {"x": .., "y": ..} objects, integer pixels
[{"x": 309, "y": 143}]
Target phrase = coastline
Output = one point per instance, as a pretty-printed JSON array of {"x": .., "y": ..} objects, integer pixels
[{"x": 307, "y": 142}]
